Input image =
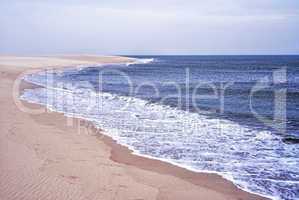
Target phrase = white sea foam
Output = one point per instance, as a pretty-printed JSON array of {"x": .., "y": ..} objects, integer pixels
[
  {"x": 248, "y": 157},
  {"x": 141, "y": 61}
]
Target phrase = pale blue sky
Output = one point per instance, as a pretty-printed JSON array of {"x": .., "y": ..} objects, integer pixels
[{"x": 149, "y": 27}]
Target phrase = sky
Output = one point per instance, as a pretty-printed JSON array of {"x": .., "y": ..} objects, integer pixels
[{"x": 127, "y": 27}]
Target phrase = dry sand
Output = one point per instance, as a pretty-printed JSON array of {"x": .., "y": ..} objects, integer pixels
[{"x": 43, "y": 157}]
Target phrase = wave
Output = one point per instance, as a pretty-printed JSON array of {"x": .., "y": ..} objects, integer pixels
[
  {"x": 141, "y": 61},
  {"x": 249, "y": 158}
]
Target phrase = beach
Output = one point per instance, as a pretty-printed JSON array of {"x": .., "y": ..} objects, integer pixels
[{"x": 43, "y": 157}]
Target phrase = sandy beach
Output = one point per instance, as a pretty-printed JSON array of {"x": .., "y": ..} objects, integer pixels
[{"x": 43, "y": 157}]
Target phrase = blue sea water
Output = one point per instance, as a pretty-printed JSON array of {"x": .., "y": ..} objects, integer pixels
[{"x": 237, "y": 116}]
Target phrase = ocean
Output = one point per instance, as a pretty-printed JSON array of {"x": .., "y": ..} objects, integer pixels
[{"x": 237, "y": 116}]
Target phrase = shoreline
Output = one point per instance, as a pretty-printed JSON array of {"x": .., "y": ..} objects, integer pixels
[{"x": 203, "y": 185}]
